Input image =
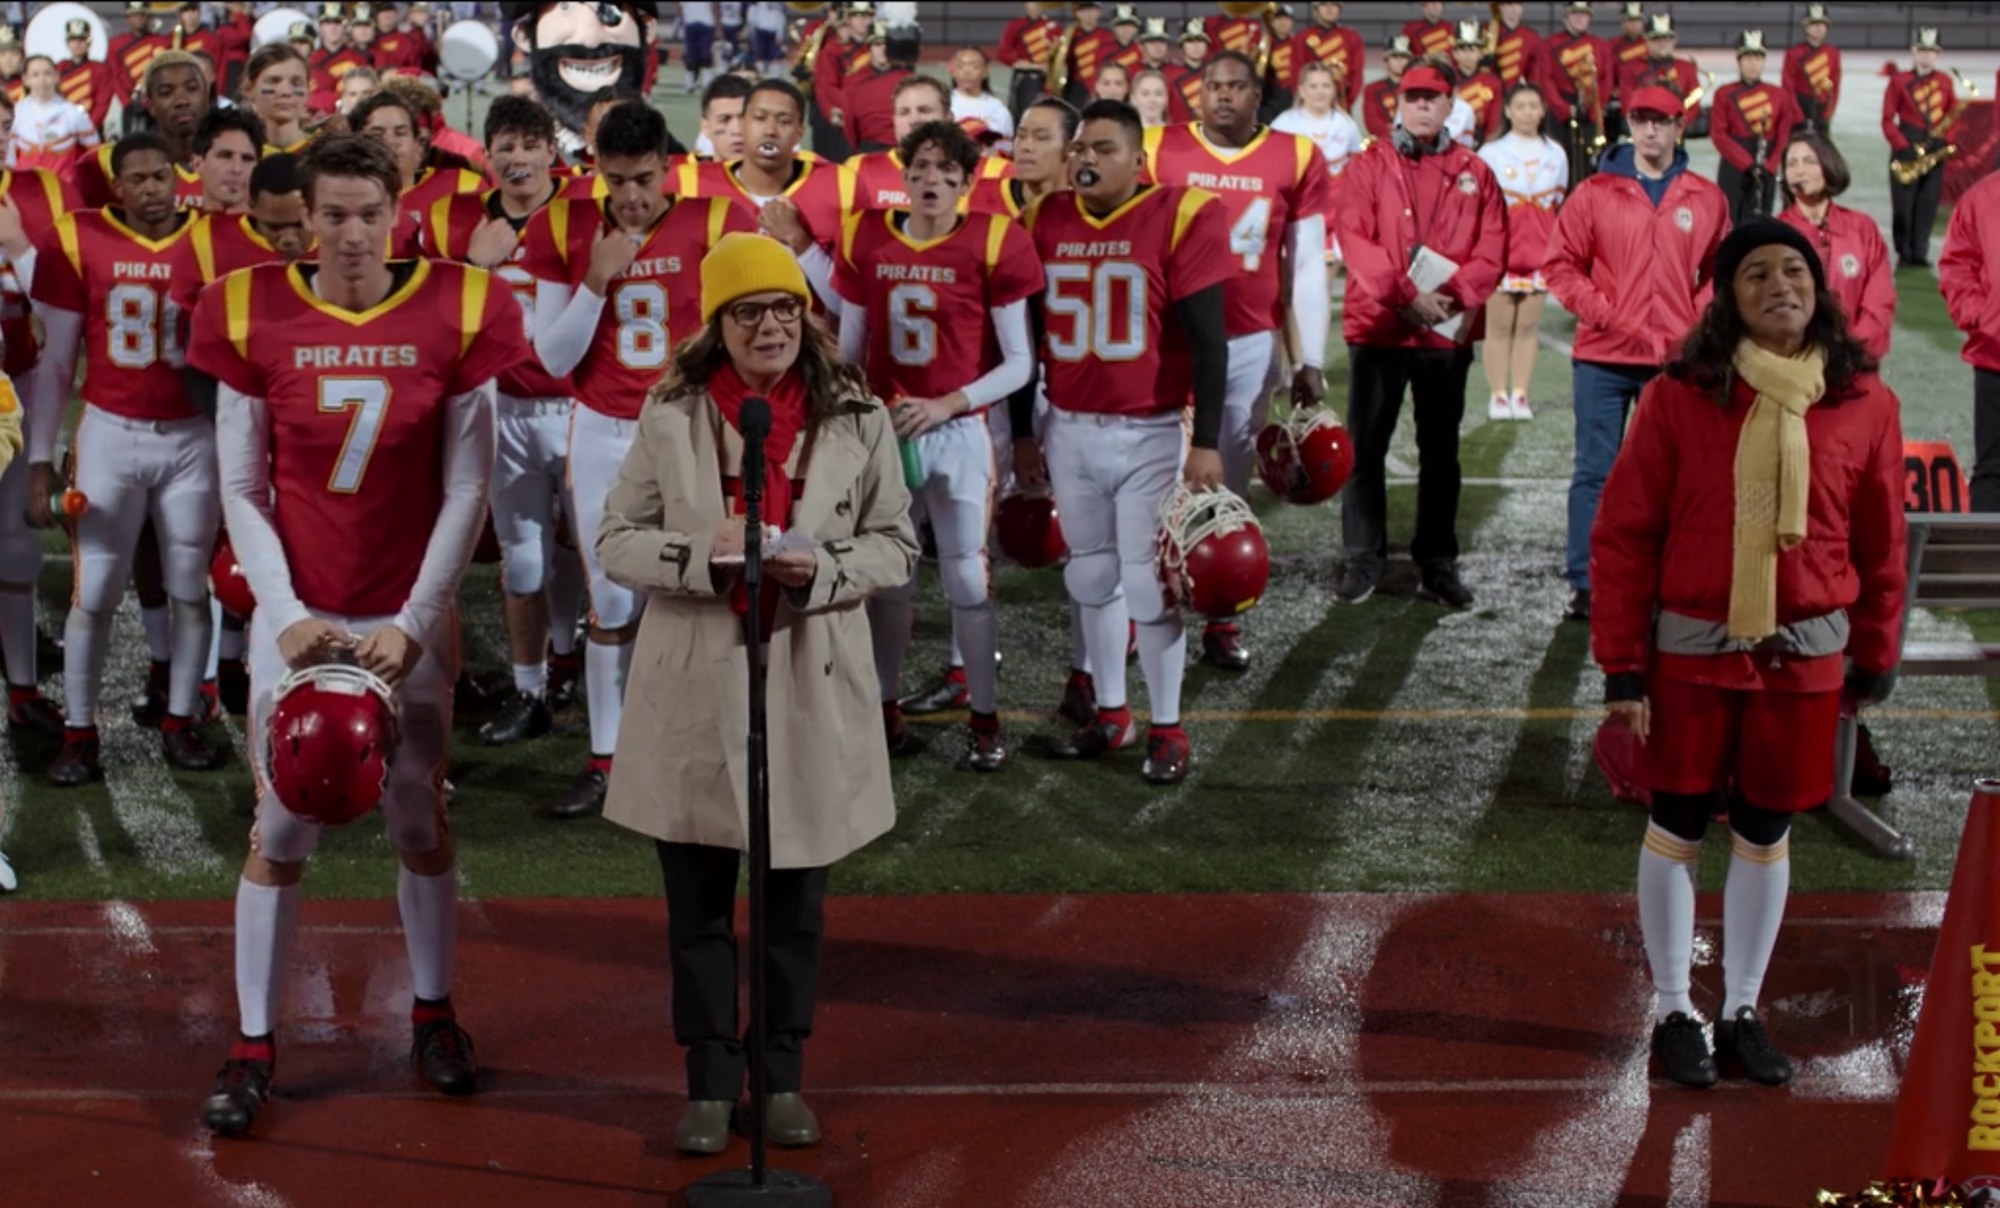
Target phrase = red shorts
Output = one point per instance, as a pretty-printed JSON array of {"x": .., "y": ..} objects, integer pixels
[{"x": 1775, "y": 747}]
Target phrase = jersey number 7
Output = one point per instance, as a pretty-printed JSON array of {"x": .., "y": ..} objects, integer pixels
[
  {"x": 367, "y": 398},
  {"x": 1107, "y": 314}
]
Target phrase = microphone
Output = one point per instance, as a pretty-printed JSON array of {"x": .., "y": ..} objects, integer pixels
[{"x": 754, "y": 421}]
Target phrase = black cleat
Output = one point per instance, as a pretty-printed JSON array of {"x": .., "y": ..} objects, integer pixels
[
  {"x": 32, "y": 711},
  {"x": 1222, "y": 646},
  {"x": 562, "y": 680},
  {"x": 232, "y": 687},
  {"x": 1578, "y": 608},
  {"x": 48, "y": 652},
  {"x": 76, "y": 764},
  {"x": 1088, "y": 742},
  {"x": 1357, "y": 582},
  {"x": 185, "y": 747},
  {"x": 241, "y": 1089},
  {"x": 442, "y": 1053},
  {"x": 985, "y": 750},
  {"x": 585, "y": 797},
  {"x": 1742, "y": 1044},
  {"x": 947, "y": 694},
  {"x": 1167, "y": 755},
  {"x": 519, "y": 718},
  {"x": 1681, "y": 1049},
  {"x": 149, "y": 708},
  {"x": 468, "y": 695},
  {"x": 1440, "y": 585},
  {"x": 1079, "y": 700}
]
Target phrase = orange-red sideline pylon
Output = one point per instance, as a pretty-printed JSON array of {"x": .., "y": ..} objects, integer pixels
[{"x": 1948, "y": 1112}]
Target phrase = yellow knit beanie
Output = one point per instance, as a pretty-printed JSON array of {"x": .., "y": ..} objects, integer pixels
[{"x": 741, "y": 264}]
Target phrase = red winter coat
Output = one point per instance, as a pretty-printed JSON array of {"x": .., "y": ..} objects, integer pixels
[
  {"x": 1665, "y": 533},
  {"x": 1966, "y": 269},
  {"x": 1635, "y": 276},
  {"x": 1389, "y": 205},
  {"x": 1857, "y": 271}
]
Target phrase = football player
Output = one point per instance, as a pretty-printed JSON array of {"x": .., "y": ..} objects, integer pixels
[
  {"x": 878, "y": 175},
  {"x": 617, "y": 283},
  {"x": 355, "y": 411},
  {"x": 542, "y": 578},
  {"x": 1272, "y": 186},
  {"x": 142, "y": 450},
  {"x": 1133, "y": 324},
  {"x": 227, "y": 146},
  {"x": 30, "y": 202},
  {"x": 935, "y": 311},
  {"x": 176, "y": 94},
  {"x": 10, "y": 448},
  {"x": 396, "y": 123}
]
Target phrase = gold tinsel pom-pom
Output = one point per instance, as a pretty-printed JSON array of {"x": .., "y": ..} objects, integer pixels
[{"x": 1896, "y": 1193}]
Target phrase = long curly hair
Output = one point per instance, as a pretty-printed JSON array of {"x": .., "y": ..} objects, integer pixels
[
  {"x": 1707, "y": 356},
  {"x": 833, "y": 387}
]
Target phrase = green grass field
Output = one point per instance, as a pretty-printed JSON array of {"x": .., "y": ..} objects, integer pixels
[{"x": 1391, "y": 746}]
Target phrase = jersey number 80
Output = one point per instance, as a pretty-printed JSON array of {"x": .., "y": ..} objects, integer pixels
[{"x": 141, "y": 326}]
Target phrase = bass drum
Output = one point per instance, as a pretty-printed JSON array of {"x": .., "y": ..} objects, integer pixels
[
  {"x": 46, "y": 34},
  {"x": 467, "y": 51},
  {"x": 276, "y": 26}
]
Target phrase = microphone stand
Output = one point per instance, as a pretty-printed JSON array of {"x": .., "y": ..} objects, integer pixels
[{"x": 757, "y": 1185}]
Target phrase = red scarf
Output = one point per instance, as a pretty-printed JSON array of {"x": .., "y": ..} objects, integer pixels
[{"x": 788, "y": 418}]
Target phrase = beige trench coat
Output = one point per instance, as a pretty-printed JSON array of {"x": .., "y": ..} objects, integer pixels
[{"x": 681, "y": 770}]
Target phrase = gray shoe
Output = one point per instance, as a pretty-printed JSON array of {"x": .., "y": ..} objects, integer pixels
[
  {"x": 704, "y": 1126},
  {"x": 789, "y": 1122}
]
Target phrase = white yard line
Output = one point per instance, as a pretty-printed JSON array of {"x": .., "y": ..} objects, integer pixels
[
  {"x": 1688, "y": 1176},
  {"x": 148, "y": 802}
]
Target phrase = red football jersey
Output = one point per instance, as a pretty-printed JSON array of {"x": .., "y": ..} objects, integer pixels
[
  {"x": 216, "y": 246},
  {"x": 91, "y": 263},
  {"x": 1110, "y": 343},
  {"x": 928, "y": 303},
  {"x": 448, "y": 234},
  {"x": 878, "y": 181},
  {"x": 996, "y": 191},
  {"x": 823, "y": 192},
  {"x": 1264, "y": 186},
  {"x": 39, "y": 198},
  {"x": 94, "y": 190},
  {"x": 654, "y": 304},
  {"x": 433, "y": 185},
  {"x": 357, "y": 411}
]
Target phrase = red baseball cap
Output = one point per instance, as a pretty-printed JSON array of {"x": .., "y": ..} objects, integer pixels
[
  {"x": 1655, "y": 99},
  {"x": 1426, "y": 79}
]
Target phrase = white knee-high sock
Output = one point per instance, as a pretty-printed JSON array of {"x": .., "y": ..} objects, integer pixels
[
  {"x": 890, "y": 615},
  {"x": 1163, "y": 661},
  {"x": 1753, "y": 905},
  {"x": 17, "y": 636},
  {"x": 604, "y": 669},
  {"x": 190, "y": 655},
  {"x": 266, "y": 918},
  {"x": 429, "y": 907},
  {"x": 531, "y": 679},
  {"x": 158, "y": 624},
  {"x": 565, "y": 592},
  {"x": 1104, "y": 637},
  {"x": 1666, "y": 915},
  {"x": 85, "y": 636},
  {"x": 214, "y": 637},
  {"x": 1079, "y": 650},
  {"x": 979, "y": 631}
]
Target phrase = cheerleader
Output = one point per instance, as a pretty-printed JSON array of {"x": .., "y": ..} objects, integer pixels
[
  {"x": 1331, "y": 130},
  {"x": 1849, "y": 243},
  {"x": 49, "y": 131},
  {"x": 1533, "y": 171},
  {"x": 1150, "y": 96}
]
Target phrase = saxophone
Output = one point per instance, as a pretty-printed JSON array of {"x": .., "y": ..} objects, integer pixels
[{"x": 1910, "y": 171}]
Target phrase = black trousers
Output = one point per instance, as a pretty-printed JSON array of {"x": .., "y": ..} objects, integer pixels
[
  {"x": 1377, "y": 378},
  {"x": 1985, "y": 441},
  {"x": 1915, "y": 208},
  {"x": 1735, "y": 183},
  {"x": 1025, "y": 91},
  {"x": 701, "y": 943}
]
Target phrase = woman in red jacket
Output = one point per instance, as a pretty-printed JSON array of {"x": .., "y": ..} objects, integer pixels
[
  {"x": 1848, "y": 242},
  {"x": 1740, "y": 596}
]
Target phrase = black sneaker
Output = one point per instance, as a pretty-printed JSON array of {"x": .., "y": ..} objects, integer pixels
[
  {"x": 442, "y": 1053},
  {"x": 949, "y": 693},
  {"x": 1101, "y": 735},
  {"x": 32, "y": 711},
  {"x": 585, "y": 797},
  {"x": 519, "y": 718},
  {"x": 186, "y": 747},
  {"x": 1742, "y": 1044},
  {"x": 1578, "y": 608},
  {"x": 1440, "y": 585},
  {"x": 1222, "y": 646},
  {"x": 1357, "y": 581},
  {"x": 1681, "y": 1049},
  {"x": 241, "y": 1089},
  {"x": 77, "y": 763}
]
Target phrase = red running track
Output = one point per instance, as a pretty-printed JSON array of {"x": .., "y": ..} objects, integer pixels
[{"x": 1036, "y": 1052}]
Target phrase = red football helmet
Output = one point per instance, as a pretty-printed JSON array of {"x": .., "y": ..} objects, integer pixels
[
  {"x": 1030, "y": 531},
  {"x": 1305, "y": 459},
  {"x": 230, "y": 584},
  {"x": 333, "y": 736},
  {"x": 1212, "y": 556}
]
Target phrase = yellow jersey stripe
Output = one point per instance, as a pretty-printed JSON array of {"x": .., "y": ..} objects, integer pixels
[
  {"x": 236, "y": 310},
  {"x": 471, "y": 307},
  {"x": 1191, "y": 203}
]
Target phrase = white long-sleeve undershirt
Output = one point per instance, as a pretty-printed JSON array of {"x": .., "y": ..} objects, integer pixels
[
  {"x": 565, "y": 325},
  {"x": 1312, "y": 291},
  {"x": 243, "y": 443},
  {"x": 1010, "y": 327}
]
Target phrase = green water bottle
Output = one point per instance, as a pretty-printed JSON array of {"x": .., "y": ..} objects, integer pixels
[{"x": 913, "y": 461}]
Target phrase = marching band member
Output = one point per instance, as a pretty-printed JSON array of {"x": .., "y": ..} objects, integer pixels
[
  {"x": 1812, "y": 71},
  {"x": 1380, "y": 97},
  {"x": 1533, "y": 172},
  {"x": 1581, "y": 67},
  {"x": 1751, "y": 122},
  {"x": 1917, "y": 113},
  {"x": 1661, "y": 68},
  {"x": 1339, "y": 47}
]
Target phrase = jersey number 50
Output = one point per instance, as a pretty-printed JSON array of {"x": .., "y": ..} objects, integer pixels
[
  {"x": 142, "y": 326},
  {"x": 1107, "y": 314}
]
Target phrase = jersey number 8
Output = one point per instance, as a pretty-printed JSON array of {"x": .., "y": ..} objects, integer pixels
[
  {"x": 1107, "y": 316},
  {"x": 142, "y": 326},
  {"x": 641, "y": 310}
]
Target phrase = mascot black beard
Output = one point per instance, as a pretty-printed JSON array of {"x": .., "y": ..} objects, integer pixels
[{"x": 576, "y": 49}]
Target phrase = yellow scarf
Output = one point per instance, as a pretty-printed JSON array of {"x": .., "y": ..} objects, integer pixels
[{"x": 1773, "y": 480}]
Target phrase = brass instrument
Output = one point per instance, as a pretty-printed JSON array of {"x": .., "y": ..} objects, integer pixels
[
  {"x": 809, "y": 54},
  {"x": 1059, "y": 61},
  {"x": 1491, "y": 51},
  {"x": 1910, "y": 171},
  {"x": 1263, "y": 56}
]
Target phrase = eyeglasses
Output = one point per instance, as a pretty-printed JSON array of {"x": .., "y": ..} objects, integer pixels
[
  {"x": 750, "y": 315},
  {"x": 1650, "y": 119}
]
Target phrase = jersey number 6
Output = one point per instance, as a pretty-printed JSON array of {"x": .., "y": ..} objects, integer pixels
[
  {"x": 1107, "y": 315},
  {"x": 912, "y": 332}
]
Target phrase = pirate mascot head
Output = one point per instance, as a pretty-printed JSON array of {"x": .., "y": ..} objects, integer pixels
[{"x": 577, "y": 49}]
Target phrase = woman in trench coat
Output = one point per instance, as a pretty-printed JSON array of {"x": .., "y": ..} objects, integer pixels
[{"x": 671, "y": 525}]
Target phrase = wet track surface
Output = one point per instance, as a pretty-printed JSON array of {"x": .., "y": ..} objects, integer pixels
[{"x": 1033, "y": 1051}]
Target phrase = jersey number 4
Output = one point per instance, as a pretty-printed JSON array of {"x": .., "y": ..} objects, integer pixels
[
  {"x": 142, "y": 326},
  {"x": 1105, "y": 305},
  {"x": 1252, "y": 230},
  {"x": 366, "y": 400}
]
